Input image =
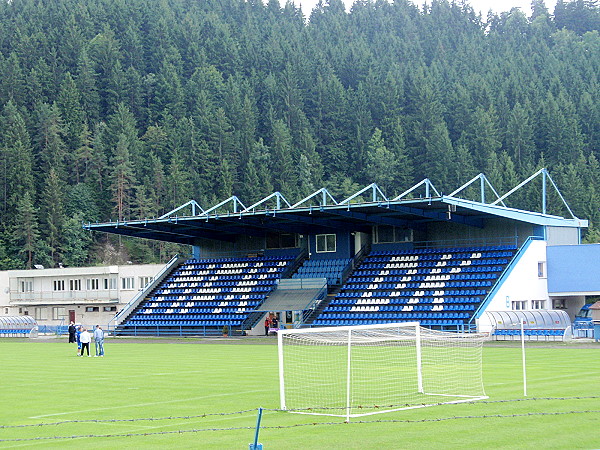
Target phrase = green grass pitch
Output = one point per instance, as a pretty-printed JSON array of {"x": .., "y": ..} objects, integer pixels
[{"x": 205, "y": 394}]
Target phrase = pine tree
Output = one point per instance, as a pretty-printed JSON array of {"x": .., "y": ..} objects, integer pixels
[
  {"x": 53, "y": 214},
  {"x": 122, "y": 180},
  {"x": 25, "y": 233}
]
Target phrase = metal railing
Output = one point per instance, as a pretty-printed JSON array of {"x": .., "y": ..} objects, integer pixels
[
  {"x": 314, "y": 304},
  {"x": 177, "y": 259}
]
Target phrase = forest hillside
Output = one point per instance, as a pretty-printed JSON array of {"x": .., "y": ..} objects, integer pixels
[{"x": 114, "y": 109}]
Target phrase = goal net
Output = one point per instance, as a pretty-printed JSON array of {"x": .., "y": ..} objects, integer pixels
[{"x": 371, "y": 369}]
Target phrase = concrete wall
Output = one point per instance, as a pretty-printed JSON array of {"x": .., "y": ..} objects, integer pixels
[{"x": 522, "y": 284}]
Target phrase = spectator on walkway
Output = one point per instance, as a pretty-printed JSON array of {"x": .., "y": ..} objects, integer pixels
[
  {"x": 99, "y": 340},
  {"x": 267, "y": 325},
  {"x": 72, "y": 331},
  {"x": 85, "y": 339}
]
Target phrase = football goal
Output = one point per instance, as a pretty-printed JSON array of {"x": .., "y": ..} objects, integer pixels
[{"x": 370, "y": 369}]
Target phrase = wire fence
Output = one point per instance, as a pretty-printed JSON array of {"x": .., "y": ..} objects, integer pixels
[{"x": 295, "y": 425}]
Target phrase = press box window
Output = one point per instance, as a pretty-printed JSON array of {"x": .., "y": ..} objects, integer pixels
[
  {"x": 59, "y": 285},
  {"x": 74, "y": 285},
  {"x": 389, "y": 234},
  {"x": 282, "y": 240},
  {"x": 326, "y": 243},
  {"x": 92, "y": 284}
]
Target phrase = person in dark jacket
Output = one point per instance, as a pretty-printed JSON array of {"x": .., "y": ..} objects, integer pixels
[{"x": 72, "y": 333}]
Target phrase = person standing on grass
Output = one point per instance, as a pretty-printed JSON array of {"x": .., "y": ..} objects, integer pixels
[
  {"x": 85, "y": 339},
  {"x": 78, "y": 340},
  {"x": 99, "y": 340},
  {"x": 72, "y": 333}
]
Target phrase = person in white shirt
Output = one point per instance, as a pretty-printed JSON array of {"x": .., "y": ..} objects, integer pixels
[{"x": 85, "y": 340}]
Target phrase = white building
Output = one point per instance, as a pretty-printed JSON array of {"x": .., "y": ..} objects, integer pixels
[{"x": 86, "y": 295}]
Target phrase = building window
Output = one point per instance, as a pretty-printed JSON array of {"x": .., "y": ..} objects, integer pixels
[
  {"x": 519, "y": 305},
  {"x": 92, "y": 284},
  {"x": 74, "y": 285},
  {"x": 388, "y": 234},
  {"x": 326, "y": 243},
  {"x": 40, "y": 313},
  {"x": 92, "y": 309},
  {"x": 59, "y": 285},
  {"x": 538, "y": 304},
  {"x": 282, "y": 240},
  {"x": 5, "y": 310},
  {"x": 110, "y": 308},
  {"x": 542, "y": 269},
  {"x": 110, "y": 283},
  {"x": 27, "y": 286},
  {"x": 58, "y": 313},
  {"x": 144, "y": 281},
  {"x": 127, "y": 283}
]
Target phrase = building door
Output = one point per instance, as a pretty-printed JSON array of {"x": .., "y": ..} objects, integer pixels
[{"x": 72, "y": 315}]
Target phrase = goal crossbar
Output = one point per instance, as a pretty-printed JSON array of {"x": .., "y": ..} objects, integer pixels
[{"x": 352, "y": 371}]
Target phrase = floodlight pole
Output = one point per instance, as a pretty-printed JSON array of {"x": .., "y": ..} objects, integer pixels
[{"x": 523, "y": 357}]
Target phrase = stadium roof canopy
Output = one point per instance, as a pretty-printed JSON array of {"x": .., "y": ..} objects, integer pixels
[{"x": 320, "y": 212}]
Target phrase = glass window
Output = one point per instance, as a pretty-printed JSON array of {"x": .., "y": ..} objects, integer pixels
[
  {"x": 110, "y": 308},
  {"x": 92, "y": 309},
  {"x": 58, "y": 313},
  {"x": 538, "y": 304},
  {"x": 144, "y": 281},
  {"x": 388, "y": 234},
  {"x": 40, "y": 313},
  {"x": 110, "y": 283},
  {"x": 326, "y": 243},
  {"x": 74, "y": 285},
  {"x": 385, "y": 233},
  {"x": 26, "y": 286},
  {"x": 127, "y": 283},
  {"x": 281, "y": 240},
  {"x": 92, "y": 284},
  {"x": 59, "y": 285},
  {"x": 518, "y": 305},
  {"x": 542, "y": 269}
]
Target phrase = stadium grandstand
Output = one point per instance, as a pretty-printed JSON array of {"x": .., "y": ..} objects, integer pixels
[{"x": 450, "y": 262}]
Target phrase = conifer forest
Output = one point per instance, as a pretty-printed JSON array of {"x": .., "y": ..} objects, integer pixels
[{"x": 114, "y": 109}]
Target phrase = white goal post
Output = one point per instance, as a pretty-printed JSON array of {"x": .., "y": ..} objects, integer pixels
[{"x": 354, "y": 371}]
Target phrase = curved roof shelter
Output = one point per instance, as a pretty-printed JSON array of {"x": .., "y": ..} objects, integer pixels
[{"x": 320, "y": 212}]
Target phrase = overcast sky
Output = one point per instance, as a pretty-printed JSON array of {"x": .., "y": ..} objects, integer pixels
[{"x": 479, "y": 5}]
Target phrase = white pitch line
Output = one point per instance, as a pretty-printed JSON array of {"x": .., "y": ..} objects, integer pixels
[{"x": 146, "y": 404}]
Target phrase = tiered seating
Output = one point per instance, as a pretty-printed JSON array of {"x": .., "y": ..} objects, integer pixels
[
  {"x": 209, "y": 293},
  {"x": 438, "y": 287},
  {"x": 323, "y": 268}
]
